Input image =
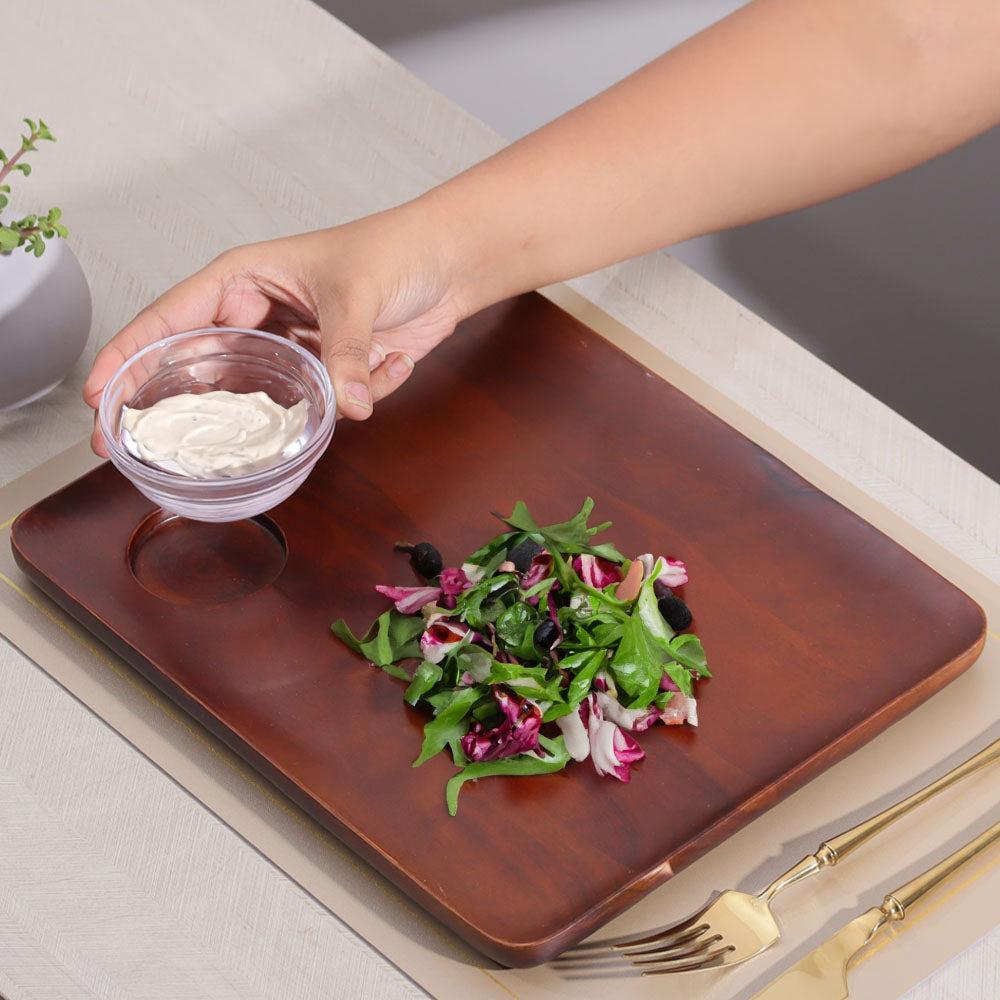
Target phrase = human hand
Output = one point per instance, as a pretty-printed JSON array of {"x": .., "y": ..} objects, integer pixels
[{"x": 371, "y": 298}]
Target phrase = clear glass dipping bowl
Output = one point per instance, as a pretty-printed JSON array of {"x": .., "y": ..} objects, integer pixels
[{"x": 221, "y": 358}]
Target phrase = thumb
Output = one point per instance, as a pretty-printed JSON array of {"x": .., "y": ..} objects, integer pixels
[{"x": 345, "y": 352}]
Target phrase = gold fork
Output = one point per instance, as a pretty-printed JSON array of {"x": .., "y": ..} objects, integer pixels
[
  {"x": 822, "y": 974},
  {"x": 736, "y": 926}
]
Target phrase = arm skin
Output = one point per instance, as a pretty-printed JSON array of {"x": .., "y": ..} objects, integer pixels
[{"x": 782, "y": 104}]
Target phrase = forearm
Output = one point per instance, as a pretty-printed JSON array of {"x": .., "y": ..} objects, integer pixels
[{"x": 783, "y": 104}]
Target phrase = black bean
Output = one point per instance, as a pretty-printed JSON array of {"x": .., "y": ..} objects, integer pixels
[
  {"x": 424, "y": 558},
  {"x": 546, "y": 634},
  {"x": 522, "y": 554},
  {"x": 675, "y": 612}
]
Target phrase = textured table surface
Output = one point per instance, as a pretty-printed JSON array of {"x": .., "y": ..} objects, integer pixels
[{"x": 173, "y": 145}]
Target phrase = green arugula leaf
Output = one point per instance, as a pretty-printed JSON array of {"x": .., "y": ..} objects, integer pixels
[
  {"x": 637, "y": 664},
  {"x": 585, "y": 665},
  {"x": 523, "y": 764},
  {"x": 450, "y": 724},
  {"x": 540, "y": 589},
  {"x": 647, "y": 611},
  {"x": 608, "y": 634},
  {"x": 493, "y": 563},
  {"x": 556, "y": 711},
  {"x": 681, "y": 676},
  {"x": 571, "y": 536},
  {"x": 394, "y": 636},
  {"x": 688, "y": 650},
  {"x": 474, "y": 660},
  {"x": 501, "y": 544},
  {"x": 426, "y": 676},
  {"x": 516, "y": 629},
  {"x": 563, "y": 571},
  {"x": 486, "y": 601},
  {"x": 688, "y": 655},
  {"x": 648, "y": 647},
  {"x": 662, "y": 699},
  {"x": 533, "y": 683}
]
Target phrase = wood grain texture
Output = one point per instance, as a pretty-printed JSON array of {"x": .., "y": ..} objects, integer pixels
[{"x": 821, "y": 630}]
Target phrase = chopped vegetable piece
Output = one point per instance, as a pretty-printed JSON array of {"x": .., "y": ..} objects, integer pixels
[
  {"x": 424, "y": 558},
  {"x": 675, "y": 612}
]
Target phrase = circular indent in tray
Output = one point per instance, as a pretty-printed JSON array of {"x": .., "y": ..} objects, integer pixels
[{"x": 205, "y": 562}]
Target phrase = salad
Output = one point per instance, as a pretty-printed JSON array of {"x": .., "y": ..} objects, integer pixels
[{"x": 542, "y": 647}]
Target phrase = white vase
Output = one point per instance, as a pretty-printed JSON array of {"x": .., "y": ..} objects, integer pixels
[{"x": 45, "y": 314}]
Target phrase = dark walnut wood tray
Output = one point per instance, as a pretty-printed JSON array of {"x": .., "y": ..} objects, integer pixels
[{"x": 820, "y": 630}]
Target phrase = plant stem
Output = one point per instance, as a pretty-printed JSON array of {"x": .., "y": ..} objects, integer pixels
[{"x": 9, "y": 165}]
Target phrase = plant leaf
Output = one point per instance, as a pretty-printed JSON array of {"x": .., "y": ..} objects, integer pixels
[
  {"x": 570, "y": 536},
  {"x": 521, "y": 764},
  {"x": 393, "y": 636},
  {"x": 688, "y": 650},
  {"x": 515, "y": 624},
  {"x": 425, "y": 677},
  {"x": 586, "y": 664},
  {"x": 449, "y": 724},
  {"x": 501, "y": 543},
  {"x": 484, "y": 602}
]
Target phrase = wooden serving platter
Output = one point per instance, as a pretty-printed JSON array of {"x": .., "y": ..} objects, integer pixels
[{"x": 820, "y": 630}]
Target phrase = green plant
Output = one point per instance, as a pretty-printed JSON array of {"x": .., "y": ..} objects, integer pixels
[{"x": 32, "y": 231}]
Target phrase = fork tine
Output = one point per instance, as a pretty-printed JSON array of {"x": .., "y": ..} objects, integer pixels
[
  {"x": 693, "y": 949},
  {"x": 666, "y": 942},
  {"x": 678, "y": 932},
  {"x": 687, "y": 965}
]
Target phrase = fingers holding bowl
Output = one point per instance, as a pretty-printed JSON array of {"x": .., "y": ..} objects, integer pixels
[
  {"x": 190, "y": 305},
  {"x": 391, "y": 374}
]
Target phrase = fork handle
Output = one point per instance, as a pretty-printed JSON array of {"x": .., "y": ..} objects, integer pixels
[
  {"x": 897, "y": 902},
  {"x": 837, "y": 848}
]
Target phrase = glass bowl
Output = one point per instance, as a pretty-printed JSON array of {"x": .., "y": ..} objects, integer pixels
[{"x": 220, "y": 358}]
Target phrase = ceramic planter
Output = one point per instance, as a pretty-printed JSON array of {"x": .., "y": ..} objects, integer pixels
[{"x": 45, "y": 314}]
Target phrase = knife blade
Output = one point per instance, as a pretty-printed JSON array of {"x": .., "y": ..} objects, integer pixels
[{"x": 822, "y": 974}]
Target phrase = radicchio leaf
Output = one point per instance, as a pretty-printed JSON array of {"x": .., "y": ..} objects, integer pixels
[
  {"x": 516, "y": 733},
  {"x": 410, "y": 599}
]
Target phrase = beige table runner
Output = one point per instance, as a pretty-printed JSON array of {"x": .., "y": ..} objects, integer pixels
[{"x": 939, "y": 734}]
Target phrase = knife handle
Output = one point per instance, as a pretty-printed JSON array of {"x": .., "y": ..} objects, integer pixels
[
  {"x": 837, "y": 848},
  {"x": 897, "y": 903}
]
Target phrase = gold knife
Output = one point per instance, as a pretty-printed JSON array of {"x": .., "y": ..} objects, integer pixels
[{"x": 822, "y": 974}]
